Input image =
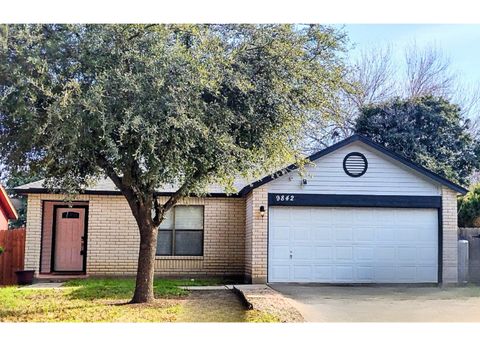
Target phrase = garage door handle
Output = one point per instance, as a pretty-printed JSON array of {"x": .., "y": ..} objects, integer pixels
[{"x": 291, "y": 255}]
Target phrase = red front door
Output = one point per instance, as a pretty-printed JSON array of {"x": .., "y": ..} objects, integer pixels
[{"x": 69, "y": 239}]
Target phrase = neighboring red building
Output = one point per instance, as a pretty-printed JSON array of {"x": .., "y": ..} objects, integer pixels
[{"x": 7, "y": 211}]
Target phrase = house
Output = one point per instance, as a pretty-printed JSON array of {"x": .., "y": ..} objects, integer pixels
[
  {"x": 7, "y": 210},
  {"x": 360, "y": 214}
]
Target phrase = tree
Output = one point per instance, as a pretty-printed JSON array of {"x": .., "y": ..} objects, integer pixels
[
  {"x": 427, "y": 130},
  {"x": 427, "y": 72},
  {"x": 153, "y": 105},
  {"x": 469, "y": 208},
  {"x": 376, "y": 78},
  {"x": 369, "y": 80}
]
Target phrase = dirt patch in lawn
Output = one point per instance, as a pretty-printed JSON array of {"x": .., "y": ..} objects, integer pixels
[
  {"x": 212, "y": 306},
  {"x": 220, "y": 306}
]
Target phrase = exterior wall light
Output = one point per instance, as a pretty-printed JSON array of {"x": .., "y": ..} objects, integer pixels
[{"x": 262, "y": 211}]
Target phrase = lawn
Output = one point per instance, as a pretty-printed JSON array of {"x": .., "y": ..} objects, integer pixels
[{"x": 105, "y": 300}]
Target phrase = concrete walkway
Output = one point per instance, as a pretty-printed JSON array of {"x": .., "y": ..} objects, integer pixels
[
  {"x": 207, "y": 288},
  {"x": 384, "y": 304},
  {"x": 42, "y": 286}
]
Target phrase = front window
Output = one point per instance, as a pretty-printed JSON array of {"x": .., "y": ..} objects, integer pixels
[{"x": 181, "y": 232}]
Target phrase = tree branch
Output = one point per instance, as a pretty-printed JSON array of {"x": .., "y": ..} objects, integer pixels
[
  {"x": 174, "y": 198},
  {"x": 140, "y": 32}
]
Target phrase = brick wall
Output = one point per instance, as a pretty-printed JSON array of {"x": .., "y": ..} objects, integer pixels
[
  {"x": 235, "y": 241},
  {"x": 256, "y": 236},
  {"x": 113, "y": 237},
  {"x": 450, "y": 238}
]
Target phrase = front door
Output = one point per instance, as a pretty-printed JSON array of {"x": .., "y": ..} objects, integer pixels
[{"x": 69, "y": 238}]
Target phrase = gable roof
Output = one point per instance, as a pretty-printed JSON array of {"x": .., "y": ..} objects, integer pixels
[
  {"x": 360, "y": 138},
  {"x": 106, "y": 187},
  {"x": 6, "y": 204}
]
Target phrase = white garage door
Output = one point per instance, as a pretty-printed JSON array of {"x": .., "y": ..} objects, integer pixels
[{"x": 352, "y": 245}]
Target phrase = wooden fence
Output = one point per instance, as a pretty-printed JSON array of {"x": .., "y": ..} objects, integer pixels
[{"x": 12, "y": 259}]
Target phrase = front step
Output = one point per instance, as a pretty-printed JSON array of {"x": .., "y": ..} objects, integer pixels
[{"x": 43, "y": 278}]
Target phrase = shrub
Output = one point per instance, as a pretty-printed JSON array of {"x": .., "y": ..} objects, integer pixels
[
  {"x": 469, "y": 208},
  {"x": 1, "y": 250}
]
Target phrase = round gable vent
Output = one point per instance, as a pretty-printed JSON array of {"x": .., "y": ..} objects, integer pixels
[{"x": 355, "y": 164}]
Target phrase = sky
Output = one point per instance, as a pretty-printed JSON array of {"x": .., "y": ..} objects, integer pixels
[{"x": 461, "y": 43}]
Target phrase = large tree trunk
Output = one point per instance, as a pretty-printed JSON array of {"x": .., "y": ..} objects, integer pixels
[{"x": 146, "y": 264}]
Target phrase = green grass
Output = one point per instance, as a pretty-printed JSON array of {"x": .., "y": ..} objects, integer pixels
[
  {"x": 121, "y": 288},
  {"x": 105, "y": 300}
]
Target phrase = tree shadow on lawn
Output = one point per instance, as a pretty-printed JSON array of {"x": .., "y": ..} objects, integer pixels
[
  {"x": 123, "y": 288},
  {"x": 57, "y": 306}
]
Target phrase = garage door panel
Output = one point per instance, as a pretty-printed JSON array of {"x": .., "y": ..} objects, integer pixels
[
  {"x": 321, "y": 216},
  {"x": 302, "y": 253},
  {"x": 281, "y": 233},
  {"x": 365, "y": 274},
  {"x": 405, "y": 217},
  {"x": 427, "y": 255},
  {"x": 301, "y": 234},
  {"x": 385, "y": 218},
  {"x": 364, "y": 254},
  {"x": 348, "y": 245},
  {"x": 281, "y": 273},
  {"x": 323, "y": 253},
  {"x": 280, "y": 253},
  {"x": 407, "y": 235},
  {"x": 407, "y": 274},
  {"x": 343, "y": 216},
  {"x": 407, "y": 255},
  {"x": 322, "y": 273},
  {"x": 279, "y": 216},
  {"x": 343, "y": 273},
  {"x": 302, "y": 273},
  {"x": 344, "y": 233},
  {"x": 425, "y": 235},
  {"x": 302, "y": 217},
  {"x": 384, "y": 254},
  {"x": 385, "y": 234},
  {"x": 322, "y": 233},
  {"x": 364, "y": 234},
  {"x": 425, "y": 274},
  {"x": 343, "y": 254},
  {"x": 364, "y": 216},
  {"x": 385, "y": 274}
]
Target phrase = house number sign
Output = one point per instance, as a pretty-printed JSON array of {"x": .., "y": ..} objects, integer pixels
[{"x": 284, "y": 197}]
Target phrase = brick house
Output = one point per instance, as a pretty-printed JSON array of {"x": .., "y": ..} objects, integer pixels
[
  {"x": 358, "y": 214},
  {"x": 7, "y": 210}
]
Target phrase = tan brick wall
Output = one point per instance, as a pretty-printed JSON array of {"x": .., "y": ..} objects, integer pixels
[
  {"x": 450, "y": 238},
  {"x": 256, "y": 236},
  {"x": 113, "y": 237}
]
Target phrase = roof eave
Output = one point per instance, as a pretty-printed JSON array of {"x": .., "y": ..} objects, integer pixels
[
  {"x": 7, "y": 205},
  {"x": 26, "y": 191}
]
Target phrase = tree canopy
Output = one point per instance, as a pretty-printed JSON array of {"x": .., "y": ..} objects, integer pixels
[
  {"x": 427, "y": 130},
  {"x": 151, "y": 105},
  {"x": 469, "y": 208}
]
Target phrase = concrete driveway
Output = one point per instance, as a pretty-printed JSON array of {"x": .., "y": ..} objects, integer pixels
[{"x": 383, "y": 304}]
